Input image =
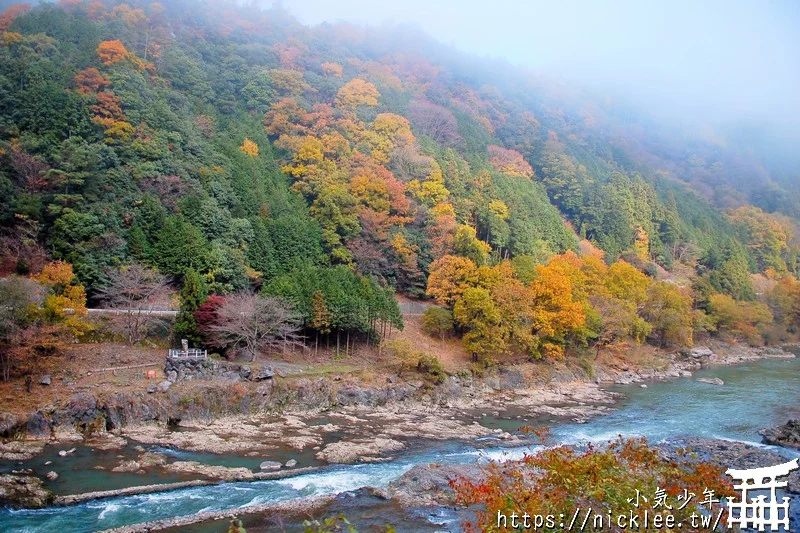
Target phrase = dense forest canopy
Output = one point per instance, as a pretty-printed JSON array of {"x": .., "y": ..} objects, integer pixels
[{"x": 333, "y": 165}]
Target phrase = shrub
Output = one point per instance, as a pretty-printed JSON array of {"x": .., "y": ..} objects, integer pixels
[
  {"x": 437, "y": 321},
  {"x": 430, "y": 365}
]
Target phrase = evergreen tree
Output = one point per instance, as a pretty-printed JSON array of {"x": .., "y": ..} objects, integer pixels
[{"x": 193, "y": 294}]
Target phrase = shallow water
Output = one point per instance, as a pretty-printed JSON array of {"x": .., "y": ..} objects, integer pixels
[{"x": 756, "y": 395}]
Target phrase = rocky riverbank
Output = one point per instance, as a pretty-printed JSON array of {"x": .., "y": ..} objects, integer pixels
[{"x": 684, "y": 362}]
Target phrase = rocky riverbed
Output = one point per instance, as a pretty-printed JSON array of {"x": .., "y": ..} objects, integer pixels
[{"x": 422, "y": 500}]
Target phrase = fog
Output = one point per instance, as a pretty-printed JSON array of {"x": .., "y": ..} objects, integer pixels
[{"x": 717, "y": 61}]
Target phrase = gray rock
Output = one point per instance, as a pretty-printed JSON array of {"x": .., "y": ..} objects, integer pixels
[
  {"x": 787, "y": 435},
  {"x": 701, "y": 351},
  {"x": 264, "y": 372},
  {"x": 290, "y": 463},
  {"x": 429, "y": 485},
  {"x": 51, "y": 475},
  {"x": 270, "y": 465},
  {"x": 37, "y": 425},
  {"x": 82, "y": 408},
  {"x": 643, "y": 386},
  {"x": 164, "y": 386},
  {"x": 45, "y": 380},
  {"x": 152, "y": 388},
  {"x": 172, "y": 376},
  {"x": 245, "y": 372},
  {"x": 711, "y": 381},
  {"x": 7, "y": 423}
]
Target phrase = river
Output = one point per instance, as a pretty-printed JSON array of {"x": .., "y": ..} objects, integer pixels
[{"x": 755, "y": 395}]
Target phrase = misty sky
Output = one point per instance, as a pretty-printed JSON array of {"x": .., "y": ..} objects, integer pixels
[{"x": 709, "y": 59}]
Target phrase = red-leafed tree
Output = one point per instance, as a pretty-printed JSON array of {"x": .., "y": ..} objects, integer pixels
[
  {"x": 8, "y": 16},
  {"x": 90, "y": 80},
  {"x": 435, "y": 121},
  {"x": 509, "y": 162},
  {"x": 208, "y": 313}
]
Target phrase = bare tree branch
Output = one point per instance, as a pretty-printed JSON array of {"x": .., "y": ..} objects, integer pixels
[
  {"x": 136, "y": 292},
  {"x": 252, "y": 323}
]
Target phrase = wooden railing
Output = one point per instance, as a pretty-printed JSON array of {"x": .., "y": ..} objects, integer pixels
[{"x": 192, "y": 354}]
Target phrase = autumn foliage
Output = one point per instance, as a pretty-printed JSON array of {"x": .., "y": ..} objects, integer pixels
[
  {"x": 8, "y": 16},
  {"x": 111, "y": 52},
  {"x": 249, "y": 147},
  {"x": 558, "y": 480},
  {"x": 509, "y": 162},
  {"x": 90, "y": 80}
]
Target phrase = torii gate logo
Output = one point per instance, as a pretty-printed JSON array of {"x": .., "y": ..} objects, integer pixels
[{"x": 760, "y": 511}]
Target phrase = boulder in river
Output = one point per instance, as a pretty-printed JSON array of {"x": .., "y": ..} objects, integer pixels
[
  {"x": 270, "y": 465},
  {"x": 290, "y": 463},
  {"x": 429, "y": 485},
  {"x": 787, "y": 435},
  {"x": 361, "y": 450},
  {"x": 51, "y": 475},
  {"x": 711, "y": 381}
]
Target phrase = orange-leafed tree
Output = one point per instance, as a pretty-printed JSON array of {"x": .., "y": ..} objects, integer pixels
[
  {"x": 108, "y": 109},
  {"x": 449, "y": 277},
  {"x": 95, "y": 10},
  {"x": 283, "y": 118},
  {"x": 111, "y": 52},
  {"x": 555, "y": 312}
]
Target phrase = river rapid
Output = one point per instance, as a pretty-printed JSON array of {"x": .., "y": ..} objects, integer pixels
[{"x": 755, "y": 395}]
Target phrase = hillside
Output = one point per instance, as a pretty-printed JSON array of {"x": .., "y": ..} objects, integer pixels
[{"x": 232, "y": 150}]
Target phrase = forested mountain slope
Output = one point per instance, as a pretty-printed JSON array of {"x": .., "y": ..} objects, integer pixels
[{"x": 334, "y": 164}]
